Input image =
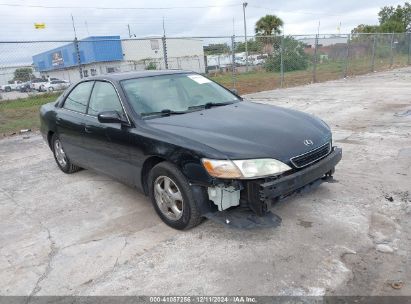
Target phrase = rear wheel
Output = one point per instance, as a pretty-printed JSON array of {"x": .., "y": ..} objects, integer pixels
[
  {"x": 61, "y": 158},
  {"x": 51, "y": 89},
  {"x": 172, "y": 197}
]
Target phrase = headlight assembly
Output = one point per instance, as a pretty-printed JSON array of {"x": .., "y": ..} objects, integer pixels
[{"x": 243, "y": 169}]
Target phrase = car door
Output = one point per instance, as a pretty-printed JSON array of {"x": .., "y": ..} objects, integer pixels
[
  {"x": 107, "y": 144},
  {"x": 70, "y": 122},
  {"x": 55, "y": 84},
  {"x": 60, "y": 84}
]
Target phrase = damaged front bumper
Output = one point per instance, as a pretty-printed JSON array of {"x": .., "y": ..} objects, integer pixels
[
  {"x": 247, "y": 203},
  {"x": 262, "y": 192}
]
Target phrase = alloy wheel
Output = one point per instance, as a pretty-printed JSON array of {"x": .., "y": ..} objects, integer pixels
[
  {"x": 168, "y": 197},
  {"x": 59, "y": 152}
]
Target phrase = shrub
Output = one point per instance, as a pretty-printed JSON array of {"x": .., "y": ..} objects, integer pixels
[
  {"x": 294, "y": 57},
  {"x": 151, "y": 66}
]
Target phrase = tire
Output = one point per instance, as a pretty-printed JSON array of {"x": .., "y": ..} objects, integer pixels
[
  {"x": 7, "y": 89},
  {"x": 162, "y": 199},
  {"x": 61, "y": 158},
  {"x": 51, "y": 89}
]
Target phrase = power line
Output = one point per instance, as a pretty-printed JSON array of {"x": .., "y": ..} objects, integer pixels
[
  {"x": 115, "y": 8},
  {"x": 295, "y": 11}
]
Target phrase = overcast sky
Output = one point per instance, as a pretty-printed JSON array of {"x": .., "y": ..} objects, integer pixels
[{"x": 300, "y": 17}]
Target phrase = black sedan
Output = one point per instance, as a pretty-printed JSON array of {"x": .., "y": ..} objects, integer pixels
[{"x": 191, "y": 145}]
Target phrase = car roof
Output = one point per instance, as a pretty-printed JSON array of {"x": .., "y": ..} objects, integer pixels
[{"x": 136, "y": 74}]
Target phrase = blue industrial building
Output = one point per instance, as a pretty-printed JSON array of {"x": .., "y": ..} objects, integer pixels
[
  {"x": 100, "y": 55},
  {"x": 94, "y": 49}
]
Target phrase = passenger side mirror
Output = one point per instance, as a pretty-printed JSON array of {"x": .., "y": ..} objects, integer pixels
[{"x": 110, "y": 117}]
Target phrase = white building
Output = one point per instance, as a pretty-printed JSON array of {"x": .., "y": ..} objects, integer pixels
[{"x": 182, "y": 53}]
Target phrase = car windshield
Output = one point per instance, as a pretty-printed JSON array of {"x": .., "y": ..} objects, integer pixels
[{"x": 174, "y": 94}]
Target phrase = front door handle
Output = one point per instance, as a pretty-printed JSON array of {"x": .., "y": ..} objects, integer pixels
[{"x": 88, "y": 129}]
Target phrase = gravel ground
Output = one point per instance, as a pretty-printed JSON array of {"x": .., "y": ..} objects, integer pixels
[
  {"x": 15, "y": 95},
  {"x": 85, "y": 234}
]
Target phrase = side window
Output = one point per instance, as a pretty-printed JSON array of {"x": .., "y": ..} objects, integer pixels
[
  {"x": 104, "y": 98},
  {"x": 78, "y": 98}
]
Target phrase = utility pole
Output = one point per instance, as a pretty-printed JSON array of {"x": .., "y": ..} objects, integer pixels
[
  {"x": 77, "y": 48},
  {"x": 129, "y": 31},
  {"x": 245, "y": 36},
  {"x": 165, "y": 46},
  {"x": 315, "y": 53}
]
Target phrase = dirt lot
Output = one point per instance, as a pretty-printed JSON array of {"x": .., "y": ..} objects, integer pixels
[{"x": 85, "y": 234}]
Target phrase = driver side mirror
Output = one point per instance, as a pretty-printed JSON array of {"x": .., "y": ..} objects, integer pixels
[{"x": 110, "y": 117}]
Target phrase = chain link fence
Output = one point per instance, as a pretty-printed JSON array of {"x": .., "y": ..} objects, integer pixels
[{"x": 260, "y": 63}]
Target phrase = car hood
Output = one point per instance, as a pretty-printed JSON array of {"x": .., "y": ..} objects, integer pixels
[{"x": 246, "y": 130}]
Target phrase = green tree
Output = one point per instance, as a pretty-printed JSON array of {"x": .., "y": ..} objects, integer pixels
[
  {"x": 217, "y": 48},
  {"x": 269, "y": 25},
  {"x": 392, "y": 26},
  {"x": 253, "y": 46},
  {"x": 392, "y": 20},
  {"x": 23, "y": 74},
  {"x": 365, "y": 28},
  {"x": 395, "y": 19},
  {"x": 293, "y": 55}
]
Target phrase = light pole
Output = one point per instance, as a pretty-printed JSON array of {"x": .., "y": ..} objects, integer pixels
[{"x": 245, "y": 36}]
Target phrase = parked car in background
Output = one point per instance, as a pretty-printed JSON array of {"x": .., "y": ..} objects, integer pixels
[
  {"x": 11, "y": 86},
  {"x": 259, "y": 59},
  {"x": 191, "y": 145},
  {"x": 5, "y": 88},
  {"x": 239, "y": 61},
  {"x": 253, "y": 59},
  {"x": 54, "y": 85},
  {"x": 36, "y": 83},
  {"x": 25, "y": 87}
]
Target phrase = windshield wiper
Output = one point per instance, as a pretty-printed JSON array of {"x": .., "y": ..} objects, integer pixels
[
  {"x": 164, "y": 112},
  {"x": 209, "y": 105}
]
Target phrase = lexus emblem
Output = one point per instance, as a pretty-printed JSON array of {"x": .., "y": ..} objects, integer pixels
[{"x": 308, "y": 142}]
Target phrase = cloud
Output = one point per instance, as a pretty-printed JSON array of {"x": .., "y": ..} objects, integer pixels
[{"x": 300, "y": 17}]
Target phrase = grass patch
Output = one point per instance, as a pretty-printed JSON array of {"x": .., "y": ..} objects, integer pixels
[
  {"x": 260, "y": 80},
  {"x": 22, "y": 113}
]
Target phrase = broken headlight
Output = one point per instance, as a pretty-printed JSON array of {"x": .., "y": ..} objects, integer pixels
[{"x": 241, "y": 169}]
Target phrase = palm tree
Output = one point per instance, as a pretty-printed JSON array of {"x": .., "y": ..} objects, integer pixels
[{"x": 267, "y": 26}]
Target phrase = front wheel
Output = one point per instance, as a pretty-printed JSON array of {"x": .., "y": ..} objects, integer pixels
[
  {"x": 61, "y": 158},
  {"x": 172, "y": 197}
]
